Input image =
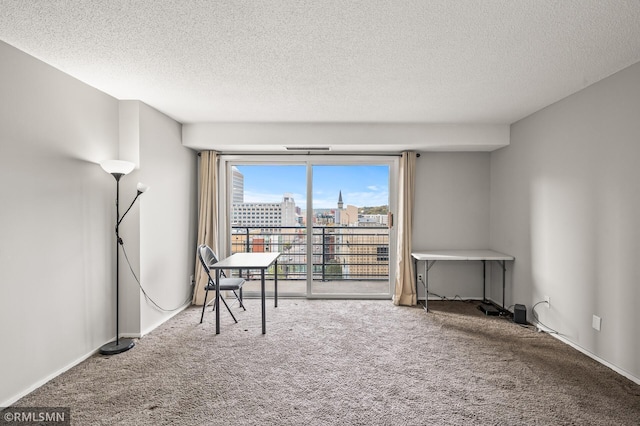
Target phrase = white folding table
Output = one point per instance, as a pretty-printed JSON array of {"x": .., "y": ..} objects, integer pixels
[
  {"x": 240, "y": 261},
  {"x": 430, "y": 257}
]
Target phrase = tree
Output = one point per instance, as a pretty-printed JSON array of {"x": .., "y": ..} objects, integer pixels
[
  {"x": 333, "y": 270},
  {"x": 375, "y": 210}
]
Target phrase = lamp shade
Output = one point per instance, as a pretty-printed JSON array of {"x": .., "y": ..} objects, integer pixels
[
  {"x": 142, "y": 187},
  {"x": 117, "y": 166}
]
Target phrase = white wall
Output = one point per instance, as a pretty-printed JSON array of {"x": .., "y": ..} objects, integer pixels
[
  {"x": 57, "y": 248},
  {"x": 56, "y": 243},
  {"x": 452, "y": 212},
  {"x": 566, "y": 203},
  {"x": 159, "y": 231},
  {"x": 168, "y": 217},
  {"x": 129, "y": 150}
]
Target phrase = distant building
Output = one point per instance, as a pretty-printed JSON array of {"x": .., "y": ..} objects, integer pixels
[
  {"x": 345, "y": 216},
  {"x": 349, "y": 216},
  {"x": 365, "y": 252},
  {"x": 373, "y": 220},
  {"x": 362, "y": 253},
  {"x": 289, "y": 214},
  {"x": 258, "y": 215},
  {"x": 237, "y": 184},
  {"x": 325, "y": 217}
]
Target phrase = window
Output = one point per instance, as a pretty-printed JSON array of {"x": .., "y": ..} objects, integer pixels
[
  {"x": 318, "y": 205},
  {"x": 383, "y": 253}
]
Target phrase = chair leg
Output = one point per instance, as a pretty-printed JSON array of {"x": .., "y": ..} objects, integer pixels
[
  {"x": 204, "y": 305},
  {"x": 214, "y": 306},
  {"x": 228, "y": 309},
  {"x": 242, "y": 299},
  {"x": 239, "y": 298}
]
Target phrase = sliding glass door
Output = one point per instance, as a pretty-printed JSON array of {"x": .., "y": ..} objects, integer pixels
[
  {"x": 265, "y": 216},
  {"x": 328, "y": 216},
  {"x": 350, "y": 229}
]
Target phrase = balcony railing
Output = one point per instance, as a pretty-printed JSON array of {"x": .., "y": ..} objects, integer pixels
[{"x": 338, "y": 252}]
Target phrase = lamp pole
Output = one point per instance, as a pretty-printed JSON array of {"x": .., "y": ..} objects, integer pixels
[
  {"x": 119, "y": 168},
  {"x": 120, "y": 345}
]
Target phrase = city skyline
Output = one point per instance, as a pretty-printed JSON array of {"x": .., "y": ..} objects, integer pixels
[{"x": 361, "y": 185}]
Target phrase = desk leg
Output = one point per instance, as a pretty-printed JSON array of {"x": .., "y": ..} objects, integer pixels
[
  {"x": 217, "y": 301},
  {"x": 484, "y": 280},
  {"x": 426, "y": 284},
  {"x": 264, "y": 316},
  {"x": 415, "y": 277},
  {"x": 504, "y": 272},
  {"x": 275, "y": 283}
]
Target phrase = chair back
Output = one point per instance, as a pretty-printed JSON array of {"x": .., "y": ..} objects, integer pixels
[{"x": 207, "y": 257}]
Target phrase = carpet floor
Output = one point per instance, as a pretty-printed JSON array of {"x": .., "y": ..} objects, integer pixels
[{"x": 344, "y": 362}]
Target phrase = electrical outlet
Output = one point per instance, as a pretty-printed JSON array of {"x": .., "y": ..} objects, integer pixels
[
  {"x": 596, "y": 322},
  {"x": 548, "y": 300},
  {"x": 420, "y": 280}
]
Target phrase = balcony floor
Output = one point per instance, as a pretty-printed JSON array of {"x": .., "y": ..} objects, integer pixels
[{"x": 334, "y": 287}]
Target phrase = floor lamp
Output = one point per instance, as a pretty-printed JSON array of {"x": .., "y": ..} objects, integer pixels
[{"x": 119, "y": 168}]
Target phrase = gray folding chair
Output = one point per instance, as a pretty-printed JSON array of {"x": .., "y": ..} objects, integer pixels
[{"x": 207, "y": 259}]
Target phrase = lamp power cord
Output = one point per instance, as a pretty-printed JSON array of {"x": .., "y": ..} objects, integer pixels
[
  {"x": 146, "y": 296},
  {"x": 535, "y": 316}
]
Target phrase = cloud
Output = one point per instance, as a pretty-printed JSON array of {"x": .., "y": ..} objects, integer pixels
[{"x": 367, "y": 199}]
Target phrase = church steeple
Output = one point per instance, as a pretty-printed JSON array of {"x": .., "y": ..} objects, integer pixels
[{"x": 340, "y": 203}]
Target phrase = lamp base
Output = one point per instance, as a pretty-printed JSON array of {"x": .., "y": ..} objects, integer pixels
[{"x": 116, "y": 347}]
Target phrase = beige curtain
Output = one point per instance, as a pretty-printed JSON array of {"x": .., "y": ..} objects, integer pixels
[
  {"x": 405, "y": 288},
  {"x": 207, "y": 216}
]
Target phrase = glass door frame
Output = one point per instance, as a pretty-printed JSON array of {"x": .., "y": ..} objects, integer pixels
[{"x": 227, "y": 161}]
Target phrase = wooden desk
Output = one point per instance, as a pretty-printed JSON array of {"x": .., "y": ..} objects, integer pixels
[
  {"x": 432, "y": 256},
  {"x": 260, "y": 261}
]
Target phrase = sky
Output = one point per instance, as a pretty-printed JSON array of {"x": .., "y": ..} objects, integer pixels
[{"x": 361, "y": 185}]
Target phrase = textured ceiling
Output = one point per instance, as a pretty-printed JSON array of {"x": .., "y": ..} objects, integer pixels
[{"x": 332, "y": 60}]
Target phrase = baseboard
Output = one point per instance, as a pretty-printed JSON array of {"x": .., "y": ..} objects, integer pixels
[
  {"x": 590, "y": 354},
  {"x": 435, "y": 298},
  {"x": 51, "y": 376}
]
